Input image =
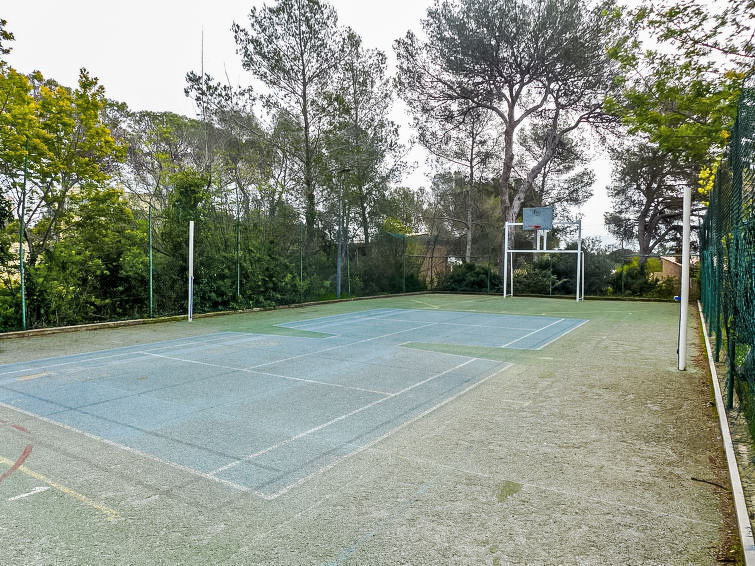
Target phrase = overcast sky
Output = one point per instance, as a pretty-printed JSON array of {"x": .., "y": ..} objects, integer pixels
[{"x": 141, "y": 51}]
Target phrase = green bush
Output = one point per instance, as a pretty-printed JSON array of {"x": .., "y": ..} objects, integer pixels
[
  {"x": 633, "y": 280},
  {"x": 471, "y": 278}
]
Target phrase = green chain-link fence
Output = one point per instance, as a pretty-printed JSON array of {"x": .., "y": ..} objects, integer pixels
[{"x": 727, "y": 246}]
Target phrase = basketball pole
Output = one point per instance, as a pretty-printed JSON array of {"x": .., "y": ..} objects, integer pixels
[
  {"x": 505, "y": 256},
  {"x": 579, "y": 256}
]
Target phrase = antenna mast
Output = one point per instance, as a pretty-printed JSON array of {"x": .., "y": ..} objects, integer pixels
[{"x": 204, "y": 113}]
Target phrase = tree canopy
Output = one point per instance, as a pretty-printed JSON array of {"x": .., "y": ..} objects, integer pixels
[
  {"x": 510, "y": 98},
  {"x": 545, "y": 61}
]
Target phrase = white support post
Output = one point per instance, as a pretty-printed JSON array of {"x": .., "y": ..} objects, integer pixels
[
  {"x": 191, "y": 269},
  {"x": 583, "y": 276},
  {"x": 684, "y": 302},
  {"x": 579, "y": 255},
  {"x": 505, "y": 256},
  {"x": 511, "y": 268}
]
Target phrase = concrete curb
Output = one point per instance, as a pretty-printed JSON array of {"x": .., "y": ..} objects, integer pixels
[
  {"x": 176, "y": 318},
  {"x": 740, "y": 503}
]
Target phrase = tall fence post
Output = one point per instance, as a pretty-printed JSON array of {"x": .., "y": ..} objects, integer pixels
[
  {"x": 238, "y": 247},
  {"x": 151, "y": 300},
  {"x": 684, "y": 302},
  {"x": 191, "y": 269},
  {"x": 21, "y": 240},
  {"x": 403, "y": 285}
]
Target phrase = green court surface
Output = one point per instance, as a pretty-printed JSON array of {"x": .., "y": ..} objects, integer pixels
[{"x": 419, "y": 429}]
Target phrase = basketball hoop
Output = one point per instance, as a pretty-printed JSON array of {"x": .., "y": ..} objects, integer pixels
[
  {"x": 541, "y": 222},
  {"x": 537, "y": 218}
]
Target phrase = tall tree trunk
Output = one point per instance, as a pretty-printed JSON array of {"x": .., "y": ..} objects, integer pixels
[
  {"x": 505, "y": 180},
  {"x": 363, "y": 216},
  {"x": 644, "y": 244},
  {"x": 309, "y": 184},
  {"x": 468, "y": 251}
]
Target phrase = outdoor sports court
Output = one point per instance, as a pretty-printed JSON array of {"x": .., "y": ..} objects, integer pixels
[
  {"x": 414, "y": 430},
  {"x": 263, "y": 413}
]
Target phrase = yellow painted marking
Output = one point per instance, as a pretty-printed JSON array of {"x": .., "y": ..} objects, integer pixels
[
  {"x": 33, "y": 376},
  {"x": 110, "y": 514}
]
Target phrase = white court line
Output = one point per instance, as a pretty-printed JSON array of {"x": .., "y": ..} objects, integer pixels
[
  {"x": 132, "y": 355},
  {"x": 217, "y": 340},
  {"x": 342, "y": 346},
  {"x": 65, "y": 363},
  {"x": 462, "y": 313},
  {"x": 531, "y": 333},
  {"x": 327, "y": 321},
  {"x": 109, "y": 442},
  {"x": 499, "y": 327},
  {"x": 387, "y": 434},
  {"x": 335, "y": 420},
  {"x": 481, "y": 298},
  {"x": 322, "y": 323},
  {"x": 405, "y": 345},
  {"x": 82, "y": 359},
  {"x": 335, "y": 318},
  {"x": 561, "y": 335},
  {"x": 34, "y": 491},
  {"x": 247, "y": 489},
  {"x": 428, "y": 304},
  {"x": 281, "y": 376}
]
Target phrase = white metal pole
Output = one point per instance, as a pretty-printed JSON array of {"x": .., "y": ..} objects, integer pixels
[
  {"x": 583, "y": 276},
  {"x": 191, "y": 269},
  {"x": 684, "y": 303},
  {"x": 505, "y": 256},
  {"x": 511, "y": 267},
  {"x": 579, "y": 254},
  {"x": 340, "y": 239}
]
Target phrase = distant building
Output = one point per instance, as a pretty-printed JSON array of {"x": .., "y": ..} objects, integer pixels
[{"x": 672, "y": 269}]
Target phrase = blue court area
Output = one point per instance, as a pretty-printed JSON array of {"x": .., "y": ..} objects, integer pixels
[{"x": 265, "y": 412}]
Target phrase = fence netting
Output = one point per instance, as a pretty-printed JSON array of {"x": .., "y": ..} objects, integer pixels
[{"x": 727, "y": 247}]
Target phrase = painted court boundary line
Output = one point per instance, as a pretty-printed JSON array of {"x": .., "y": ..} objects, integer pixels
[
  {"x": 740, "y": 503},
  {"x": 336, "y": 419},
  {"x": 212, "y": 477},
  {"x": 266, "y": 373},
  {"x": 341, "y": 346},
  {"x": 126, "y": 448},
  {"x": 340, "y": 318},
  {"x": 215, "y": 337},
  {"x": 442, "y": 323},
  {"x": 531, "y": 333},
  {"x": 414, "y": 419},
  {"x": 552, "y": 340},
  {"x": 110, "y": 514},
  {"x": 286, "y": 489},
  {"x": 395, "y": 313},
  {"x": 167, "y": 462},
  {"x": 220, "y": 337}
]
